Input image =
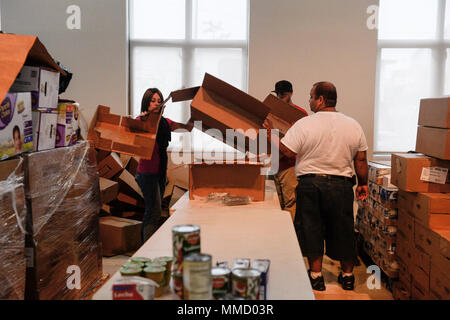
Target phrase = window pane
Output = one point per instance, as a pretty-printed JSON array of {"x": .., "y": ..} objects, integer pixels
[
  {"x": 225, "y": 64},
  {"x": 219, "y": 19},
  {"x": 156, "y": 68},
  {"x": 156, "y": 19},
  {"x": 408, "y": 19},
  {"x": 447, "y": 20},
  {"x": 405, "y": 78},
  {"x": 447, "y": 74}
]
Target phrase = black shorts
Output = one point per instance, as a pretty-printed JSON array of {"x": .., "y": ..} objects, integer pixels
[{"x": 325, "y": 214}]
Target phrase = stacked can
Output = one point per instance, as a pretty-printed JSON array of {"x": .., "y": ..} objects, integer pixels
[
  {"x": 185, "y": 240},
  {"x": 221, "y": 282},
  {"x": 246, "y": 283},
  {"x": 197, "y": 277}
]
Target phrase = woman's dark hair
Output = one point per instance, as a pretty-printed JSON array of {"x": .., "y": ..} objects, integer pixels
[
  {"x": 148, "y": 95},
  {"x": 16, "y": 128}
]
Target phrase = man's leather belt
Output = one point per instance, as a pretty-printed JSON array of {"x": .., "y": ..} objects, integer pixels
[{"x": 327, "y": 176}]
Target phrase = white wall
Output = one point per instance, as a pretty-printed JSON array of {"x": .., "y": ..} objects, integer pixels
[
  {"x": 97, "y": 54},
  {"x": 313, "y": 40}
]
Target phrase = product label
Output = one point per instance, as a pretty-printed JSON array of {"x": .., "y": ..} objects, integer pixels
[{"x": 434, "y": 175}]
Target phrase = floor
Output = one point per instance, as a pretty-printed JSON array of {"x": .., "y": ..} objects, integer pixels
[{"x": 330, "y": 272}]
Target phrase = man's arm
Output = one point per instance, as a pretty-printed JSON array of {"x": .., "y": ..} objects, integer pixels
[
  {"x": 362, "y": 170},
  {"x": 276, "y": 142},
  {"x": 176, "y": 125}
]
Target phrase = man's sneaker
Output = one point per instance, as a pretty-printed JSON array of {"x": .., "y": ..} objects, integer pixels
[
  {"x": 318, "y": 283},
  {"x": 347, "y": 282}
]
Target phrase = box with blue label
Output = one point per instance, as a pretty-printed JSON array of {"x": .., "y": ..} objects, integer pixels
[
  {"x": 16, "y": 129},
  {"x": 43, "y": 83}
]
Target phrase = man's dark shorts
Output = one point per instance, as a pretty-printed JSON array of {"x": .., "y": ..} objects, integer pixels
[{"x": 325, "y": 213}]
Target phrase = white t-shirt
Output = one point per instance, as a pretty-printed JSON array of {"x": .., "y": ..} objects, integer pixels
[{"x": 325, "y": 143}]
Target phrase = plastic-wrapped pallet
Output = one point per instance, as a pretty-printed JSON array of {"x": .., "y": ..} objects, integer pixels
[
  {"x": 62, "y": 190},
  {"x": 12, "y": 230}
]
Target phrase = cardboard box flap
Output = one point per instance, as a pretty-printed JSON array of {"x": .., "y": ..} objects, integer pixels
[
  {"x": 184, "y": 94},
  {"x": 17, "y": 50},
  {"x": 283, "y": 110},
  {"x": 236, "y": 96}
]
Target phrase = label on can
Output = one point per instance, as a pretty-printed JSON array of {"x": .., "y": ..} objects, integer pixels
[
  {"x": 197, "y": 277},
  {"x": 185, "y": 240},
  {"x": 178, "y": 284},
  {"x": 220, "y": 281},
  {"x": 133, "y": 288},
  {"x": 245, "y": 283}
]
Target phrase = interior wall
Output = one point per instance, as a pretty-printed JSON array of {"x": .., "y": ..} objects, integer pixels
[
  {"x": 313, "y": 40},
  {"x": 96, "y": 53}
]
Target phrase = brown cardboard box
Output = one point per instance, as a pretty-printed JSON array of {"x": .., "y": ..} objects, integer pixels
[
  {"x": 404, "y": 250},
  {"x": 122, "y": 134},
  {"x": 119, "y": 235},
  {"x": 442, "y": 250},
  {"x": 422, "y": 260},
  {"x": 404, "y": 276},
  {"x": 408, "y": 168},
  {"x": 440, "y": 283},
  {"x": 129, "y": 186},
  {"x": 400, "y": 291},
  {"x": 430, "y": 209},
  {"x": 418, "y": 292},
  {"x": 282, "y": 114},
  {"x": 110, "y": 166},
  {"x": 133, "y": 165},
  {"x": 435, "y": 112},
  {"x": 108, "y": 190},
  {"x": 425, "y": 238},
  {"x": 238, "y": 179},
  {"x": 62, "y": 188},
  {"x": 122, "y": 197},
  {"x": 221, "y": 106},
  {"x": 12, "y": 231},
  {"x": 102, "y": 154},
  {"x": 434, "y": 142},
  {"x": 405, "y": 225},
  {"x": 420, "y": 280}
]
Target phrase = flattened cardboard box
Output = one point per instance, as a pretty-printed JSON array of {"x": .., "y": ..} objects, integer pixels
[
  {"x": 110, "y": 166},
  {"x": 108, "y": 190},
  {"x": 440, "y": 282},
  {"x": 237, "y": 179},
  {"x": 435, "y": 112},
  {"x": 221, "y": 106},
  {"x": 409, "y": 169},
  {"x": 434, "y": 142},
  {"x": 122, "y": 134},
  {"x": 119, "y": 235}
]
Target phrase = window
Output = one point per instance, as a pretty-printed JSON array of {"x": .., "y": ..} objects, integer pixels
[
  {"x": 174, "y": 42},
  {"x": 413, "y": 63}
]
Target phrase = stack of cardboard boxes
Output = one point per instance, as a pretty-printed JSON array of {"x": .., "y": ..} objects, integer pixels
[
  {"x": 424, "y": 207},
  {"x": 376, "y": 220}
]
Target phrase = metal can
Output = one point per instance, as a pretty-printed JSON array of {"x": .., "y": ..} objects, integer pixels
[
  {"x": 141, "y": 260},
  {"x": 245, "y": 283},
  {"x": 178, "y": 283},
  {"x": 221, "y": 281},
  {"x": 197, "y": 277},
  {"x": 156, "y": 273},
  {"x": 131, "y": 271},
  {"x": 185, "y": 240},
  {"x": 168, "y": 263},
  {"x": 262, "y": 265},
  {"x": 241, "y": 263},
  {"x": 129, "y": 265}
]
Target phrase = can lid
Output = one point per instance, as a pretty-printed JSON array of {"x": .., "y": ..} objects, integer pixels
[
  {"x": 154, "y": 263},
  {"x": 220, "y": 271},
  {"x": 130, "y": 270},
  {"x": 154, "y": 269},
  {"x": 140, "y": 259},
  {"x": 186, "y": 228},
  {"x": 129, "y": 265},
  {"x": 165, "y": 259},
  {"x": 241, "y": 272},
  {"x": 197, "y": 257}
]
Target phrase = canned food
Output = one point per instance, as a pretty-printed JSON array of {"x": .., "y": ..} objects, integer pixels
[
  {"x": 220, "y": 278},
  {"x": 163, "y": 264},
  {"x": 141, "y": 260},
  {"x": 156, "y": 273},
  {"x": 245, "y": 283},
  {"x": 129, "y": 265},
  {"x": 241, "y": 263},
  {"x": 197, "y": 277},
  {"x": 178, "y": 283},
  {"x": 263, "y": 266},
  {"x": 130, "y": 271},
  {"x": 185, "y": 240},
  {"x": 168, "y": 264}
]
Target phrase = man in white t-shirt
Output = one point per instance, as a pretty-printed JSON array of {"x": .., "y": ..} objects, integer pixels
[{"x": 326, "y": 144}]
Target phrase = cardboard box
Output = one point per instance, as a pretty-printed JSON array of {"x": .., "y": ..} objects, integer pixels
[
  {"x": 110, "y": 166},
  {"x": 108, "y": 190},
  {"x": 16, "y": 128},
  {"x": 237, "y": 179},
  {"x": 411, "y": 172},
  {"x": 43, "y": 83},
  {"x": 18, "y": 50},
  {"x": 282, "y": 114},
  {"x": 420, "y": 280},
  {"x": 377, "y": 171},
  {"x": 404, "y": 275},
  {"x": 405, "y": 226},
  {"x": 400, "y": 291},
  {"x": 221, "y": 106},
  {"x": 101, "y": 154},
  {"x": 12, "y": 231},
  {"x": 119, "y": 235},
  {"x": 426, "y": 239},
  {"x": 434, "y": 142},
  {"x": 122, "y": 134},
  {"x": 435, "y": 112},
  {"x": 443, "y": 247},
  {"x": 67, "y": 124},
  {"x": 418, "y": 293},
  {"x": 440, "y": 282},
  {"x": 422, "y": 260},
  {"x": 405, "y": 251},
  {"x": 130, "y": 200},
  {"x": 430, "y": 209},
  {"x": 129, "y": 186},
  {"x": 44, "y": 129},
  {"x": 133, "y": 165}
]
